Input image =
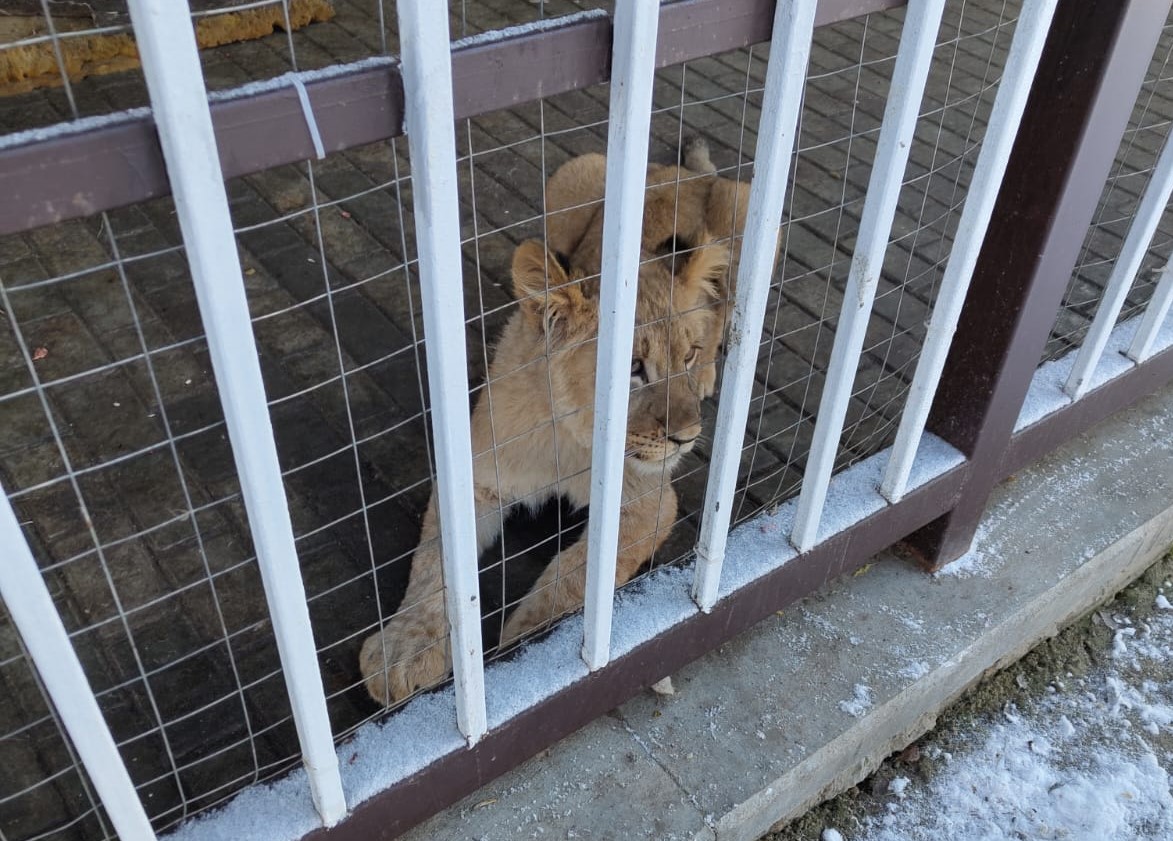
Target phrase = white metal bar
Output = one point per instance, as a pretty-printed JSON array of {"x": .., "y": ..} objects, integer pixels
[
  {"x": 1021, "y": 63},
  {"x": 32, "y": 610},
  {"x": 632, "y": 74},
  {"x": 785, "y": 79},
  {"x": 179, "y": 101},
  {"x": 1136, "y": 242},
  {"x": 1154, "y": 317},
  {"x": 921, "y": 24},
  {"x": 427, "y": 83}
]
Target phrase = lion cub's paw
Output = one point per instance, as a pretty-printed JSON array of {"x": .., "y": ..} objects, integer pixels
[
  {"x": 399, "y": 660},
  {"x": 534, "y": 611}
]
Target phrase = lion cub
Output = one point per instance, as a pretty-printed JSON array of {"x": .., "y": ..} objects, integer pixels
[{"x": 532, "y": 425}]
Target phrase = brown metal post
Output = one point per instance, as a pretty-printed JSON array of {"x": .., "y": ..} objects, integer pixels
[{"x": 1092, "y": 66}]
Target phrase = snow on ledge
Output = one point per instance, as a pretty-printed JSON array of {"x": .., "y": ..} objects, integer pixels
[
  {"x": 1046, "y": 394},
  {"x": 424, "y": 731},
  {"x": 87, "y": 124},
  {"x": 494, "y": 36},
  {"x": 70, "y": 128},
  {"x": 761, "y": 545}
]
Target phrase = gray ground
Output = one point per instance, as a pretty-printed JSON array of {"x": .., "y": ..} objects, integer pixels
[
  {"x": 101, "y": 331},
  {"x": 1078, "y": 649}
]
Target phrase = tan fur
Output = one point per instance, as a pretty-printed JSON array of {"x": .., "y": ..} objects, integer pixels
[
  {"x": 532, "y": 425},
  {"x": 690, "y": 202}
]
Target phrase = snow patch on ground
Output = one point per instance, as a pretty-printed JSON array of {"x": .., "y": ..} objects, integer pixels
[
  {"x": 915, "y": 670},
  {"x": 860, "y": 701},
  {"x": 1084, "y": 766}
]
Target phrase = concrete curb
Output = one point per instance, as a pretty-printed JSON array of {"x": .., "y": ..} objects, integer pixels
[{"x": 808, "y": 703}]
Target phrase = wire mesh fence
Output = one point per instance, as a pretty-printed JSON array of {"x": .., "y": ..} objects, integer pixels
[
  {"x": 60, "y": 59},
  {"x": 115, "y": 452},
  {"x": 1132, "y": 171}
]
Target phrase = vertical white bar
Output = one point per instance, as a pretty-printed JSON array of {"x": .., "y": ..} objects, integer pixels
[
  {"x": 632, "y": 74},
  {"x": 166, "y": 42},
  {"x": 427, "y": 83},
  {"x": 1154, "y": 317},
  {"x": 31, "y": 607},
  {"x": 1017, "y": 76},
  {"x": 1136, "y": 242},
  {"x": 785, "y": 79},
  {"x": 922, "y": 20}
]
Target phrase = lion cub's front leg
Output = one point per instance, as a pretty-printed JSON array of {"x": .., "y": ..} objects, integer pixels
[
  {"x": 644, "y": 525},
  {"x": 411, "y": 651}
]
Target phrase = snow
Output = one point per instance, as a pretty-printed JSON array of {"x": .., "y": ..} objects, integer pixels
[
  {"x": 860, "y": 701},
  {"x": 306, "y": 77},
  {"x": 68, "y": 129},
  {"x": 830, "y": 834},
  {"x": 1079, "y": 766},
  {"x": 89, "y": 124},
  {"x": 915, "y": 670},
  {"x": 382, "y": 753},
  {"x": 762, "y": 545},
  {"x": 1076, "y": 478},
  {"x": 520, "y": 30},
  {"x": 1046, "y": 394}
]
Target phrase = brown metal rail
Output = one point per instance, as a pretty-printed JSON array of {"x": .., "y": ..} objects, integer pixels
[
  {"x": 99, "y": 165},
  {"x": 1092, "y": 66}
]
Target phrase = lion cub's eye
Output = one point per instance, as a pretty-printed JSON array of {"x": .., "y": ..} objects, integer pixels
[
  {"x": 690, "y": 359},
  {"x": 638, "y": 371}
]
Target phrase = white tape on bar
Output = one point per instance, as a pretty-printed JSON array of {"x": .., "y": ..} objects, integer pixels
[
  {"x": 179, "y": 104},
  {"x": 921, "y": 23},
  {"x": 427, "y": 83},
  {"x": 1136, "y": 242},
  {"x": 785, "y": 79},
  {"x": 1029, "y": 37},
  {"x": 36, "y": 618},
  {"x": 633, "y": 71},
  {"x": 307, "y": 111}
]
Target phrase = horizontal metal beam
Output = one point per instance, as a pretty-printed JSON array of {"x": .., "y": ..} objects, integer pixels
[
  {"x": 412, "y": 800},
  {"x": 83, "y": 168},
  {"x": 78, "y": 169}
]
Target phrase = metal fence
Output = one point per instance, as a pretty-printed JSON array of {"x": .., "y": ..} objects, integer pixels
[{"x": 241, "y": 329}]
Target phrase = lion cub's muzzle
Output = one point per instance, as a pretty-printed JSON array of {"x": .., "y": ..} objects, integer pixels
[
  {"x": 662, "y": 431},
  {"x": 656, "y": 452}
]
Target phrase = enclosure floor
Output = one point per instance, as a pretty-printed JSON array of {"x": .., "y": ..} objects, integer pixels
[{"x": 139, "y": 440}]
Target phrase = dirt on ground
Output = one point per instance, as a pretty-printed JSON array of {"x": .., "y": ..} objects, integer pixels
[{"x": 1056, "y": 665}]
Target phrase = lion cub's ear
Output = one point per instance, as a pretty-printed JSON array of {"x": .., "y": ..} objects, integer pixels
[{"x": 549, "y": 298}]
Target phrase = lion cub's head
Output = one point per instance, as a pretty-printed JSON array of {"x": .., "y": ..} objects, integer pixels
[{"x": 674, "y": 317}]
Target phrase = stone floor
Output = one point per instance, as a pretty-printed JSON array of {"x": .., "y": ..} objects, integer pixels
[{"x": 160, "y": 588}]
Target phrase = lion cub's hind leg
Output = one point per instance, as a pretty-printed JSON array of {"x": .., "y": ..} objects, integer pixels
[
  {"x": 644, "y": 525},
  {"x": 574, "y": 198}
]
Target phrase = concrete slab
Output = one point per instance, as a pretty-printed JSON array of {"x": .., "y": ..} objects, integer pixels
[{"x": 810, "y": 701}]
